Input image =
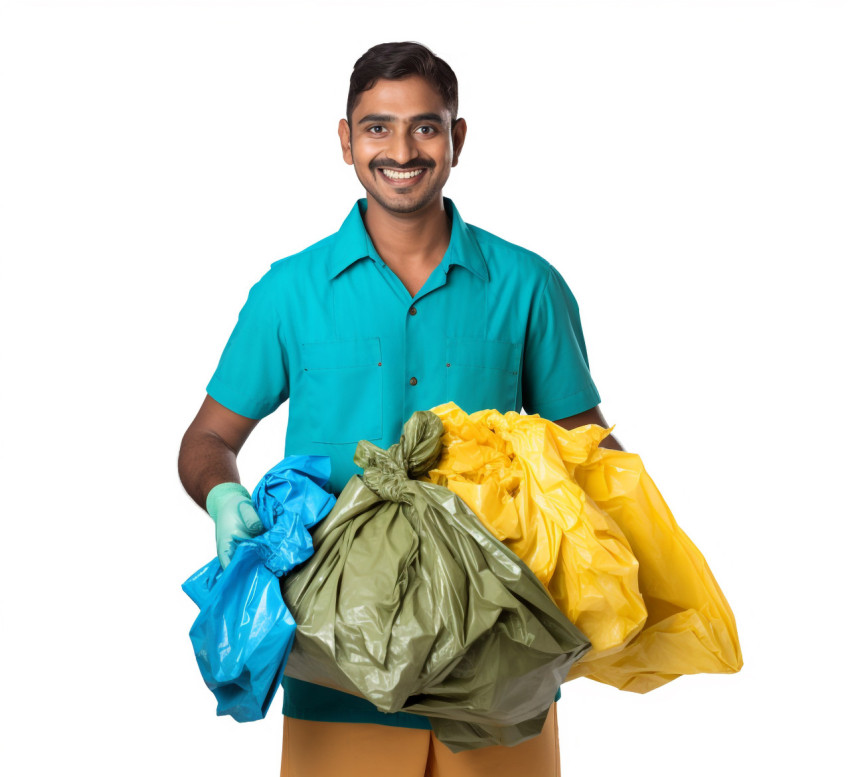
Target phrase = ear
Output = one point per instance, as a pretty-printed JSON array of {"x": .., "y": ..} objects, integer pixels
[
  {"x": 345, "y": 141},
  {"x": 458, "y": 137}
]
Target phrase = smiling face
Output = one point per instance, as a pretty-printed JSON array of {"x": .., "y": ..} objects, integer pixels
[{"x": 402, "y": 143}]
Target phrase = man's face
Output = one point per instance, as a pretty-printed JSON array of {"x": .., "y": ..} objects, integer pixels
[{"x": 401, "y": 143}]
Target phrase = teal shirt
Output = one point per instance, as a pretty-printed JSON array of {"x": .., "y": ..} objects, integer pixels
[{"x": 333, "y": 330}]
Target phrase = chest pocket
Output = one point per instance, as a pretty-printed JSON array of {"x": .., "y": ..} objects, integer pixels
[
  {"x": 342, "y": 390},
  {"x": 482, "y": 374}
]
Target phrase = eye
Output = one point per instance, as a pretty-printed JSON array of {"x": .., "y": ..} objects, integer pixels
[
  {"x": 375, "y": 129},
  {"x": 426, "y": 130}
]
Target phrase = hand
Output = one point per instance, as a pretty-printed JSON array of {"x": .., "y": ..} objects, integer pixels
[{"x": 230, "y": 506}]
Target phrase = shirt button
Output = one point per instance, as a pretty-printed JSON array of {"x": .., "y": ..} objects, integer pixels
[
  {"x": 412, "y": 310},
  {"x": 413, "y": 381}
]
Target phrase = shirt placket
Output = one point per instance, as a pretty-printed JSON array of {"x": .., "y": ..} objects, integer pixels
[{"x": 416, "y": 329}]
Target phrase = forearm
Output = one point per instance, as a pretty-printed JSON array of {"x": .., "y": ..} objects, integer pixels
[
  {"x": 611, "y": 442},
  {"x": 592, "y": 416},
  {"x": 205, "y": 460}
]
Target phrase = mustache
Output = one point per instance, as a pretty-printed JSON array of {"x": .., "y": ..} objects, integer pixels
[{"x": 412, "y": 165}]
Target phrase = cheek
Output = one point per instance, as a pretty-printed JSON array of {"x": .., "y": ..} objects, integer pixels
[
  {"x": 447, "y": 154},
  {"x": 363, "y": 152},
  {"x": 361, "y": 160}
]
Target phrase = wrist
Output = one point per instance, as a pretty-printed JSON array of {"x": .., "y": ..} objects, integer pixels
[{"x": 224, "y": 494}]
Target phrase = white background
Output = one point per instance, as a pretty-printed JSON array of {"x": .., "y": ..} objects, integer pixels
[{"x": 684, "y": 164}]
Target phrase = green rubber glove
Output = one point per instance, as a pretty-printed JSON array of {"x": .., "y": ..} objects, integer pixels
[{"x": 230, "y": 507}]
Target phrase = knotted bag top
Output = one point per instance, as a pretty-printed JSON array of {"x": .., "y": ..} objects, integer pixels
[{"x": 389, "y": 473}]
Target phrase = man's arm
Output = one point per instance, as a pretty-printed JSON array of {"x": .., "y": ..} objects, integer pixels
[
  {"x": 209, "y": 448},
  {"x": 592, "y": 416}
]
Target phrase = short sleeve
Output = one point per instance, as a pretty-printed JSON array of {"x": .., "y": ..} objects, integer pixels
[
  {"x": 252, "y": 377},
  {"x": 556, "y": 380}
]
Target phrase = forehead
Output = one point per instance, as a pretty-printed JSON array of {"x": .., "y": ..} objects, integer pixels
[{"x": 400, "y": 97}]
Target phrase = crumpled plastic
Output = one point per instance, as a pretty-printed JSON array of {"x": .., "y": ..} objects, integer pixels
[
  {"x": 535, "y": 484},
  {"x": 411, "y": 603},
  {"x": 244, "y": 632},
  {"x": 514, "y": 472},
  {"x": 690, "y": 627}
]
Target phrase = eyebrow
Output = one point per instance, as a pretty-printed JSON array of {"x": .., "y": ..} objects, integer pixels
[{"x": 386, "y": 118}]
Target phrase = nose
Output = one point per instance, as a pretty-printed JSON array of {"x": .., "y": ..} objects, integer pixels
[{"x": 401, "y": 148}]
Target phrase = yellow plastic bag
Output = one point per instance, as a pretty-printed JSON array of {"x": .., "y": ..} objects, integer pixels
[
  {"x": 690, "y": 628},
  {"x": 510, "y": 470},
  {"x": 571, "y": 510}
]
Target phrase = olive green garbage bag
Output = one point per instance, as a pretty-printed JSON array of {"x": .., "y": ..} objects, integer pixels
[{"x": 409, "y": 602}]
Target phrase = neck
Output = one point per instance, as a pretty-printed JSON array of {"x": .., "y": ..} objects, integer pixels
[{"x": 415, "y": 238}]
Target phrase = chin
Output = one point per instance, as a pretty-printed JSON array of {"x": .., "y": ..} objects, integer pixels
[{"x": 403, "y": 205}]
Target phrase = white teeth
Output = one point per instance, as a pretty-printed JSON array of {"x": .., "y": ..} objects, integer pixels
[{"x": 397, "y": 176}]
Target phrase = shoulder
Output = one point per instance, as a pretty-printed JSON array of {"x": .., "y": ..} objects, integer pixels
[
  {"x": 508, "y": 261},
  {"x": 297, "y": 269},
  {"x": 311, "y": 260}
]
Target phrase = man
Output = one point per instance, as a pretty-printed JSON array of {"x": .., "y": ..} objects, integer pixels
[{"x": 404, "y": 308}]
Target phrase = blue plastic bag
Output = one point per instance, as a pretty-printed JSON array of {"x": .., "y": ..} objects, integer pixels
[{"x": 244, "y": 632}]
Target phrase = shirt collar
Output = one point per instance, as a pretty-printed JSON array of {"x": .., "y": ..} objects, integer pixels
[{"x": 353, "y": 243}]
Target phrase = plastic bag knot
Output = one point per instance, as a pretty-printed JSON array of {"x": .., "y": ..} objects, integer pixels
[
  {"x": 390, "y": 486},
  {"x": 389, "y": 472}
]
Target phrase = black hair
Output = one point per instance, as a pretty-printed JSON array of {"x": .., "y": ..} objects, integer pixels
[{"x": 398, "y": 60}]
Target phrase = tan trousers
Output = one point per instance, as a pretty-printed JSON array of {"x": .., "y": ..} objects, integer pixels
[{"x": 315, "y": 749}]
